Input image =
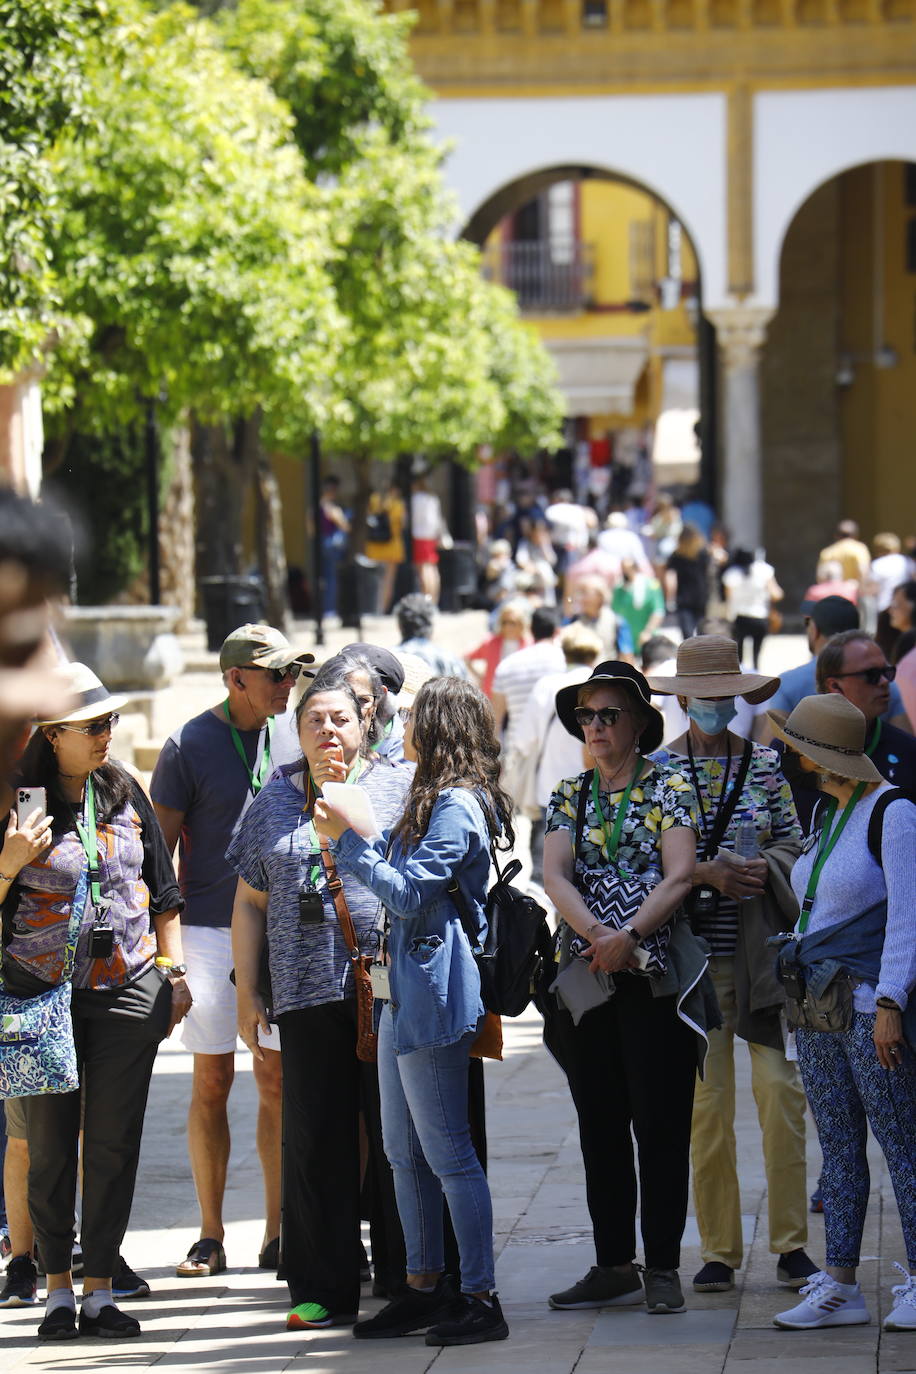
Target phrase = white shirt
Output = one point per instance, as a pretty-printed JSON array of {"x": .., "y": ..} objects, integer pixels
[
  {"x": 560, "y": 754},
  {"x": 517, "y": 676},
  {"x": 888, "y": 572},
  {"x": 621, "y": 544},
  {"x": 747, "y": 591},
  {"x": 425, "y": 515}
]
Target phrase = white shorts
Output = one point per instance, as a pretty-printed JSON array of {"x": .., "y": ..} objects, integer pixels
[{"x": 211, "y": 1026}]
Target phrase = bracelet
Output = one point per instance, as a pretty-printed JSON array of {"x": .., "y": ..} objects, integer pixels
[{"x": 8, "y": 877}]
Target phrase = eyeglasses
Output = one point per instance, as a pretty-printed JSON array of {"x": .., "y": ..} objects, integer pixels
[
  {"x": 873, "y": 675},
  {"x": 292, "y": 670},
  {"x": 405, "y": 713},
  {"x": 607, "y": 715},
  {"x": 95, "y": 727}
]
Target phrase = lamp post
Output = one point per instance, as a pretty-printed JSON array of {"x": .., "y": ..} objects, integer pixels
[{"x": 152, "y": 501}]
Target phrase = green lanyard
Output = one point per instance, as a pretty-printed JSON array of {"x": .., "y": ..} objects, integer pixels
[
  {"x": 311, "y": 833},
  {"x": 89, "y": 841},
  {"x": 825, "y": 848},
  {"x": 872, "y": 744},
  {"x": 612, "y": 837},
  {"x": 255, "y": 781},
  {"x": 385, "y": 733}
]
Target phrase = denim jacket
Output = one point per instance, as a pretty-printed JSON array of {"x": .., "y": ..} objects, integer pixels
[{"x": 435, "y": 986}]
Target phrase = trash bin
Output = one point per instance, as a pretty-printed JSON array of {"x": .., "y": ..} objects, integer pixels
[
  {"x": 457, "y": 576},
  {"x": 228, "y": 603},
  {"x": 359, "y": 583}
]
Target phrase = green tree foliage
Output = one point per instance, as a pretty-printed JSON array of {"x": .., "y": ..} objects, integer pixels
[
  {"x": 190, "y": 239},
  {"x": 43, "y": 54}
]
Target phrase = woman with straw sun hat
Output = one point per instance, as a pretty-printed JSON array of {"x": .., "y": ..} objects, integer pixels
[
  {"x": 734, "y": 906},
  {"x": 854, "y": 885}
]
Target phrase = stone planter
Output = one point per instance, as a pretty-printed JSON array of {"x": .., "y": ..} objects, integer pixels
[{"x": 130, "y": 647}]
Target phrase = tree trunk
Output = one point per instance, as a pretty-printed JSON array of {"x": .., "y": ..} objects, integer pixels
[
  {"x": 271, "y": 547},
  {"x": 176, "y": 530},
  {"x": 223, "y": 463},
  {"x": 362, "y": 474}
]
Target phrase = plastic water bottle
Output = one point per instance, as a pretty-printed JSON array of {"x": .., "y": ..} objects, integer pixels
[{"x": 746, "y": 846}]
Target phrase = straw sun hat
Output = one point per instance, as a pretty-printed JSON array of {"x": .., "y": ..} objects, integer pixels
[
  {"x": 831, "y": 732},
  {"x": 708, "y": 666}
]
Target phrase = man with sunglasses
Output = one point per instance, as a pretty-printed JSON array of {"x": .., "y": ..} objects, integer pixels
[
  {"x": 208, "y": 772},
  {"x": 853, "y": 665}
]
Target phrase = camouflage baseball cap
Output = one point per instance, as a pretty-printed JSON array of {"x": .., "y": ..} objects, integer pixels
[{"x": 259, "y": 646}]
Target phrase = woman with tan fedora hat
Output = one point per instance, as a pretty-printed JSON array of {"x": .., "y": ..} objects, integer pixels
[
  {"x": 96, "y": 861},
  {"x": 857, "y": 928},
  {"x": 621, "y": 837},
  {"x": 734, "y": 906}
]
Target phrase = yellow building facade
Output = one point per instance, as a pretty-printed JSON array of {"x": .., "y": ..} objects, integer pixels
[{"x": 780, "y": 135}]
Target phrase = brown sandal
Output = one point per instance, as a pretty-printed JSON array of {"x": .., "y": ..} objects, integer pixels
[{"x": 205, "y": 1257}]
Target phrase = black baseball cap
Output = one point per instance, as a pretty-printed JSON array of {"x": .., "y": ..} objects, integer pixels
[
  {"x": 389, "y": 668},
  {"x": 832, "y": 614}
]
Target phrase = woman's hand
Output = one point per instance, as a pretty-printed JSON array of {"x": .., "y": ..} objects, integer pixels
[
  {"x": 611, "y": 952},
  {"x": 329, "y": 767},
  {"x": 747, "y": 879},
  {"x": 888, "y": 1037},
  {"x": 181, "y": 1002},
  {"x": 252, "y": 1013},
  {"x": 24, "y": 843},
  {"x": 329, "y": 822}
]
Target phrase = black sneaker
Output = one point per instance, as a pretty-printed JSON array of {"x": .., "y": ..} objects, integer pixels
[
  {"x": 21, "y": 1287},
  {"x": 601, "y": 1287},
  {"x": 714, "y": 1278},
  {"x": 470, "y": 1322},
  {"x": 111, "y": 1324},
  {"x": 663, "y": 1291},
  {"x": 795, "y": 1269},
  {"x": 410, "y": 1311},
  {"x": 125, "y": 1283},
  {"x": 59, "y": 1325}
]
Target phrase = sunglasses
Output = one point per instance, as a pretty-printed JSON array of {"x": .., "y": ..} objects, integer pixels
[
  {"x": 292, "y": 670},
  {"x": 95, "y": 727},
  {"x": 607, "y": 715},
  {"x": 873, "y": 675}
]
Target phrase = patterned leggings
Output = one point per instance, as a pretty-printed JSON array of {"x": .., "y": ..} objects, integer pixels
[{"x": 849, "y": 1090}]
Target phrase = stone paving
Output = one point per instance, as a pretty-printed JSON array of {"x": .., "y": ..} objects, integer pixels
[{"x": 233, "y": 1323}]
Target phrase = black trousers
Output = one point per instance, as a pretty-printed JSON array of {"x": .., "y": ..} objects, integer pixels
[
  {"x": 753, "y": 628},
  {"x": 325, "y": 1087},
  {"x": 632, "y": 1063},
  {"x": 117, "y": 1034}
]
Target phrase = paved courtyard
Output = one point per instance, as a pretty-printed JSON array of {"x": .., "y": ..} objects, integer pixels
[{"x": 233, "y": 1323}]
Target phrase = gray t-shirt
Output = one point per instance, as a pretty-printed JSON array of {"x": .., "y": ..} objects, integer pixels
[
  {"x": 200, "y": 773},
  {"x": 274, "y": 849}
]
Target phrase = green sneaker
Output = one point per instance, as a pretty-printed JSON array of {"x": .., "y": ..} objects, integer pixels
[{"x": 307, "y": 1315}]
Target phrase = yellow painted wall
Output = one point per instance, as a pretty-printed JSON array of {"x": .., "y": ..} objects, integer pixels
[{"x": 878, "y": 410}]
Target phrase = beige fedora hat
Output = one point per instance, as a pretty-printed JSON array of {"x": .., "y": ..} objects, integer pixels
[
  {"x": 830, "y": 731},
  {"x": 89, "y": 697},
  {"x": 708, "y": 666}
]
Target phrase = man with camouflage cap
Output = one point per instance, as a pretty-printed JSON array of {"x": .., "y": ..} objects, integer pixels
[{"x": 206, "y": 776}]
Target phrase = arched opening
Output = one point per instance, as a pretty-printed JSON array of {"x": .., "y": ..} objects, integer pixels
[
  {"x": 607, "y": 273},
  {"x": 839, "y": 368}
]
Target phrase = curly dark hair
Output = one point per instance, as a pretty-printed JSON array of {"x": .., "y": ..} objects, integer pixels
[{"x": 454, "y": 734}]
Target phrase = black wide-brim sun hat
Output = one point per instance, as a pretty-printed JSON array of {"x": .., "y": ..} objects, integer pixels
[{"x": 618, "y": 674}]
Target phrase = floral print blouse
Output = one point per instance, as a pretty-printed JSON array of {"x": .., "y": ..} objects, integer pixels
[{"x": 663, "y": 798}]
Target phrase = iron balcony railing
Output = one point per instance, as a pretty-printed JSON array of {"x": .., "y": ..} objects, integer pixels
[{"x": 546, "y": 276}]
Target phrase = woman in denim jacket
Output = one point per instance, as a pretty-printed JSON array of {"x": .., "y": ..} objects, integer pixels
[{"x": 434, "y": 1009}]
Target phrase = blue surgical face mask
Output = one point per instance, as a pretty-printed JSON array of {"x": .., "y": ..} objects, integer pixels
[{"x": 712, "y": 716}]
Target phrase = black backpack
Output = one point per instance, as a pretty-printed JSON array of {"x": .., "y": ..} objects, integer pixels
[{"x": 518, "y": 941}]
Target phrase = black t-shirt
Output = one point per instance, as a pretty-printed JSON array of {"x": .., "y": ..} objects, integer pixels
[{"x": 692, "y": 579}]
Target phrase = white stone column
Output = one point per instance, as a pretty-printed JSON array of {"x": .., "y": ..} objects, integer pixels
[{"x": 741, "y": 333}]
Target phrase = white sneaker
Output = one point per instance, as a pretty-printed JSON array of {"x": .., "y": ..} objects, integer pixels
[
  {"x": 827, "y": 1303},
  {"x": 902, "y": 1316}
]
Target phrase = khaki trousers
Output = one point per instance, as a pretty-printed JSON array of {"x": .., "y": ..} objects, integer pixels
[{"x": 781, "y": 1113}]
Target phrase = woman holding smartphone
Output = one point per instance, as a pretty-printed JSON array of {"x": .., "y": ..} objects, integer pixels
[
  {"x": 283, "y": 895},
  {"x": 454, "y": 810},
  {"x": 129, "y": 991}
]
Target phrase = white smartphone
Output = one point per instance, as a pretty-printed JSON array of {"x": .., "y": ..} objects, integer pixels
[{"x": 27, "y": 799}]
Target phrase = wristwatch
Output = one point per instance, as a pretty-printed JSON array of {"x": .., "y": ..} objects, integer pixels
[
  {"x": 634, "y": 934},
  {"x": 887, "y": 1003},
  {"x": 177, "y": 971}
]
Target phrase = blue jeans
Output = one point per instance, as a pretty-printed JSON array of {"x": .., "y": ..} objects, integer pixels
[{"x": 428, "y": 1143}]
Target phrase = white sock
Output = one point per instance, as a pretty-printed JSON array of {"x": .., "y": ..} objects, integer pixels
[
  {"x": 60, "y": 1297},
  {"x": 94, "y": 1302}
]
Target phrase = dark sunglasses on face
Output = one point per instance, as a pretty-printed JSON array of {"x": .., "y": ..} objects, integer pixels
[
  {"x": 292, "y": 670},
  {"x": 607, "y": 715},
  {"x": 95, "y": 727},
  {"x": 873, "y": 675}
]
